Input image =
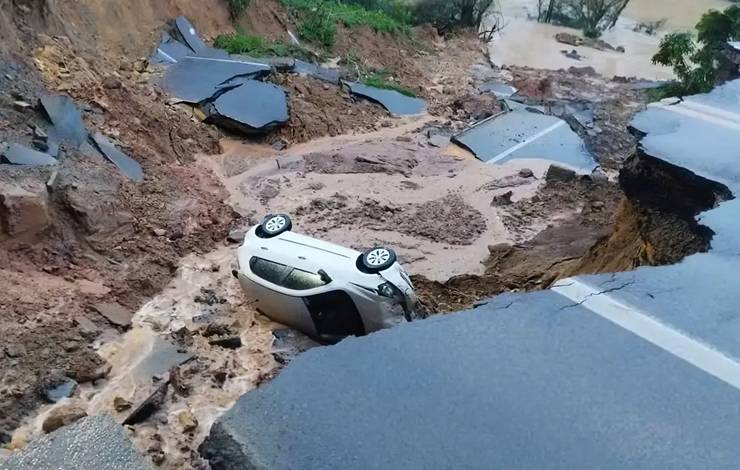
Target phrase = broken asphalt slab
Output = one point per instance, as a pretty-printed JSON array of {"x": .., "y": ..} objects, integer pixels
[
  {"x": 126, "y": 164},
  {"x": 506, "y": 378},
  {"x": 316, "y": 71},
  {"x": 393, "y": 101},
  {"x": 17, "y": 154},
  {"x": 251, "y": 107},
  {"x": 169, "y": 51},
  {"x": 189, "y": 34},
  {"x": 198, "y": 79},
  {"x": 66, "y": 118},
  {"x": 521, "y": 134},
  {"x": 499, "y": 89},
  {"x": 96, "y": 442}
]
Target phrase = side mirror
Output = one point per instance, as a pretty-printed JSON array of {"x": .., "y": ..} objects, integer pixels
[{"x": 324, "y": 277}]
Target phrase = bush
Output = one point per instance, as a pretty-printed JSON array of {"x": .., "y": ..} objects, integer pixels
[
  {"x": 317, "y": 18},
  {"x": 256, "y": 46},
  {"x": 447, "y": 15},
  {"x": 380, "y": 80},
  {"x": 592, "y": 16},
  {"x": 237, "y": 7},
  {"x": 699, "y": 65}
]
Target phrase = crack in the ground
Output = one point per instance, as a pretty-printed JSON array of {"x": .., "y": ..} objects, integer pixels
[{"x": 594, "y": 294}]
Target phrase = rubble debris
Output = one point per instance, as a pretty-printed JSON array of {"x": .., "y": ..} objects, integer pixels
[
  {"x": 526, "y": 173},
  {"x": 253, "y": 107},
  {"x": 229, "y": 342},
  {"x": 391, "y": 100},
  {"x": 93, "y": 442},
  {"x": 21, "y": 105},
  {"x": 558, "y": 173},
  {"x": 115, "y": 313},
  {"x": 63, "y": 389},
  {"x": 187, "y": 420},
  {"x": 121, "y": 404},
  {"x": 126, "y": 164},
  {"x": 62, "y": 416},
  {"x": 499, "y": 89},
  {"x": 198, "y": 79},
  {"x": 316, "y": 71},
  {"x": 149, "y": 406},
  {"x": 524, "y": 134},
  {"x": 23, "y": 210},
  {"x": 502, "y": 199},
  {"x": 289, "y": 343},
  {"x": 236, "y": 236},
  {"x": 17, "y": 154},
  {"x": 66, "y": 118}
]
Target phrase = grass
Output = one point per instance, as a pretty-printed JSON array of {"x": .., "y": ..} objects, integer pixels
[
  {"x": 318, "y": 18},
  {"x": 256, "y": 46},
  {"x": 380, "y": 80}
]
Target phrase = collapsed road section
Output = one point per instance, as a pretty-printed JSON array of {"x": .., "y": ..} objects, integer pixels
[{"x": 628, "y": 370}]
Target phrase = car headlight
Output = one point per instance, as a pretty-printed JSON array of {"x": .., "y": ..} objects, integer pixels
[{"x": 388, "y": 290}]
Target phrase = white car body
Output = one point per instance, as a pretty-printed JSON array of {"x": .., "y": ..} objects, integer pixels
[{"x": 311, "y": 290}]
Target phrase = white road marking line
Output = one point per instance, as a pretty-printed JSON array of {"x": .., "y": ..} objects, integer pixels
[
  {"x": 704, "y": 113},
  {"x": 695, "y": 352},
  {"x": 538, "y": 135},
  {"x": 227, "y": 60},
  {"x": 166, "y": 55}
]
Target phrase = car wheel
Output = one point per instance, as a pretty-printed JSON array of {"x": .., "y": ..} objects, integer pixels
[
  {"x": 274, "y": 225},
  {"x": 378, "y": 259}
]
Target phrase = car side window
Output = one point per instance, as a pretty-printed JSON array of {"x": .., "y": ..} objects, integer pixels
[
  {"x": 302, "y": 280},
  {"x": 268, "y": 270}
]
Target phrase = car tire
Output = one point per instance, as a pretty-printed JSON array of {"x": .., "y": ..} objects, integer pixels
[
  {"x": 377, "y": 259},
  {"x": 275, "y": 224}
]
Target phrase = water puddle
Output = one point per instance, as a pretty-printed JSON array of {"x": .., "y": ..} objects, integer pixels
[{"x": 525, "y": 42}]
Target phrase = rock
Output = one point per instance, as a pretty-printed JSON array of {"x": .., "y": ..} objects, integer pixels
[
  {"x": 115, "y": 313},
  {"x": 502, "y": 199},
  {"x": 62, "y": 389},
  {"x": 582, "y": 71},
  {"x": 499, "y": 248},
  {"x": 404, "y": 138},
  {"x": 23, "y": 209},
  {"x": 111, "y": 83},
  {"x": 526, "y": 173},
  {"x": 149, "y": 406},
  {"x": 478, "y": 106},
  {"x": 229, "y": 342},
  {"x": 620, "y": 49},
  {"x": 188, "y": 422},
  {"x": 570, "y": 39},
  {"x": 62, "y": 416},
  {"x": 121, "y": 404},
  {"x": 21, "y": 105},
  {"x": 141, "y": 65},
  {"x": 14, "y": 350},
  {"x": 236, "y": 236},
  {"x": 598, "y": 205},
  {"x": 160, "y": 232},
  {"x": 280, "y": 144},
  {"x": 598, "y": 176},
  {"x": 558, "y": 173}
]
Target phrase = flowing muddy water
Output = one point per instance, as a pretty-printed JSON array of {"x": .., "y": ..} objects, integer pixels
[{"x": 525, "y": 42}]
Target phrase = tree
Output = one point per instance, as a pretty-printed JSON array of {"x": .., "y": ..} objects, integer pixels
[
  {"x": 702, "y": 64},
  {"x": 447, "y": 15},
  {"x": 592, "y": 16}
]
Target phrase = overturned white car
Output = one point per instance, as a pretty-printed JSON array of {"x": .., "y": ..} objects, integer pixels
[{"x": 325, "y": 290}]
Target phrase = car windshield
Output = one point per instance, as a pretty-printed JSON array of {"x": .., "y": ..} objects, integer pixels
[{"x": 285, "y": 276}]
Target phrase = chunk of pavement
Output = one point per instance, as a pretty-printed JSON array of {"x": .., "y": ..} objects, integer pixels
[
  {"x": 126, "y": 164},
  {"x": 197, "y": 79},
  {"x": 64, "y": 389},
  {"x": 66, "y": 118},
  {"x": 115, "y": 313},
  {"x": 502, "y": 199},
  {"x": 499, "y": 89},
  {"x": 23, "y": 209},
  {"x": 522, "y": 134},
  {"x": 121, "y": 404},
  {"x": 253, "y": 107},
  {"x": 62, "y": 416},
  {"x": 149, "y": 406},
  {"x": 526, "y": 173},
  {"x": 393, "y": 101},
  {"x": 559, "y": 173},
  {"x": 94, "y": 442},
  {"x": 17, "y": 154},
  {"x": 236, "y": 236},
  {"x": 228, "y": 342},
  {"x": 189, "y": 34},
  {"x": 21, "y": 105},
  {"x": 316, "y": 71},
  {"x": 169, "y": 51}
]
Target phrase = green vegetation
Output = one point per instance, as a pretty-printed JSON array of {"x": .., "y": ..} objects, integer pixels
[
  {"x": 592, "y": 16},
  {"x": 700, "y": 64},
  {"x": 317, "y": 19},
  {"x": 448, "y": 15},
  {"x": 380, "y": 80},
  {"x": 237, "y": 7},
  {"x": 256, "y": 46}
]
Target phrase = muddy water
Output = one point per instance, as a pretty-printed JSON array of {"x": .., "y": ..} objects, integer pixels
[
  {"x": 527, "y": 43},
  {"x": 148, "y": 350}
]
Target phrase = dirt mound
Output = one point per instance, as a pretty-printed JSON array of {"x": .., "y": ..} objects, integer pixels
[
  {"x": 319, "y": 109},
  {"x": 343, "y": 163},
  {"x": 266, "y": 18}
]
